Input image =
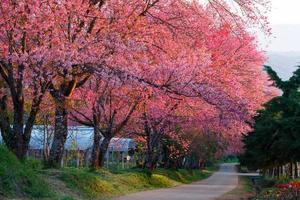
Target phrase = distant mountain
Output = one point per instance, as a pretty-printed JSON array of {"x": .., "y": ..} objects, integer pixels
[{"x": 283, "y": 63}]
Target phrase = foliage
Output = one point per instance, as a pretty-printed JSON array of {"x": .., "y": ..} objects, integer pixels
[
  {"x": 21, "y": 179},
  {"x": 229, "y": 159},
  {"x": 205, "y": 148},
  {"x": 274, "y": 139}
]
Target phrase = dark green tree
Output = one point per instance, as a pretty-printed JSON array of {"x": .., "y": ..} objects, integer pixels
[{"x": 275, "y": 139}]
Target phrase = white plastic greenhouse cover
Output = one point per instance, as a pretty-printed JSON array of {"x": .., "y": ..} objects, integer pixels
[{"x": 78, "y": 137}]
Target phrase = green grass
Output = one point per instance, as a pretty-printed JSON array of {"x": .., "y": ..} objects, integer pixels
[
  {"x": 104, "y": 184},
  {"x": 20, "y": 178},
  {"x": 28, "y": 180},
  {"x": 246, "y": 184}
]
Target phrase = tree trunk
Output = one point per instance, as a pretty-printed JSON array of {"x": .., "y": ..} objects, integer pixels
[
  {"x": 291, "y": 170},
  {"x": 103, "y": 150},
  {"x": 96, "y": 149},
  {"x": 152, "y": 148},
  {"x": 150, "y": 160},
  {"x": 17, "y": 145},
  {"x": 17, "y": 134},
  {"x": 61, "y": 96},
  {"x": 189, "y": 164},
  {"x": 296, "y": 170},
  {"x": 45, "y": 144},
  {"x": 16, "y": 137},
  {"x": 60, "y": 134},
  {"x": 270, "y": 172},
  {"x": 164, "y": 157},
  {"x": 18, "y": 127}
]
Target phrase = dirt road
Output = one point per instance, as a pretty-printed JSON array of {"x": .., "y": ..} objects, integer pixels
[{"x": 221, "y": 182}]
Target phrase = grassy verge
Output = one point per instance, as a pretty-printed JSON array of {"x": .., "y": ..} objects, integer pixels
[
  {"x": 103, "y": 184},
  {"x": 243, "y": 191},
  {"x": 20, "y": 178},
  {"x": 28, "y": 180}
]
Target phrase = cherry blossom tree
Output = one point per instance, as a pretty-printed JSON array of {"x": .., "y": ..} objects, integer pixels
[
  {"x": 45, "y": 45},
  {"x": 157, "y": 120},
  {"x": 23, "y": 36},
  {"x": 182, "y": 52},
  {"x": 81, "y": 46},
  {"x": 183, "y": 48},
  {"x": 107, "y": 106}
]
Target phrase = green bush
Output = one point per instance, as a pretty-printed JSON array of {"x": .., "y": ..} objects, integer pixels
[{"x": 267, "y": 183}]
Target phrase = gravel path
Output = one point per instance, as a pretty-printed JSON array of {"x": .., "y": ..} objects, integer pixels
[{"x": 221, "y": 182}]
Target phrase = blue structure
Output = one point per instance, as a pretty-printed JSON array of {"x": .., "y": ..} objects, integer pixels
[{"x": 80, "y": 140}]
